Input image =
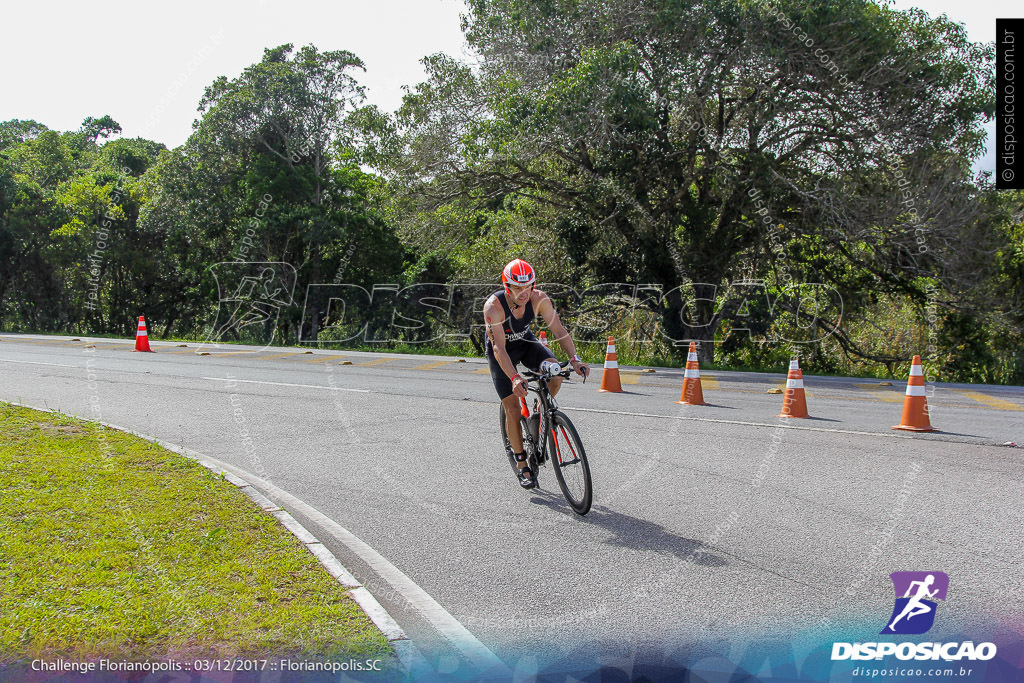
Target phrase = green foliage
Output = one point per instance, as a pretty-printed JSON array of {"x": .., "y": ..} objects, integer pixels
[
  {"x": 15, "y": 132},
  {"x": 964, "y": 350},
  {"x": 94, "y": 235},
  {"x": 645, "y": 127},
  {"x": 103, "y": 127},
  {"x": 647, "y": 142}
]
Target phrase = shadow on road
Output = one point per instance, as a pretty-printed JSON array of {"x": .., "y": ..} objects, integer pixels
[
  {"x": 634, "y": 533},
  {"x": 714, "y": 405},
  {"x": 943, "y": 432}
]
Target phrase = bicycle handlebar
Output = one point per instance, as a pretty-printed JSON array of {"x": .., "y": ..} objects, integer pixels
[{"x": 531, "y": 375}]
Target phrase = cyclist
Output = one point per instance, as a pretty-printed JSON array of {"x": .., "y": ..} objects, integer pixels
[{"x": 508, "y": 314}]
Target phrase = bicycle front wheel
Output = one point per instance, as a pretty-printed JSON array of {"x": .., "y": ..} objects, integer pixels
[{"x": 569, "y": 461}]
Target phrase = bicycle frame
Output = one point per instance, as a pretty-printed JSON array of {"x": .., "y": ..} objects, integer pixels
[{"x": 548, "y": 406}]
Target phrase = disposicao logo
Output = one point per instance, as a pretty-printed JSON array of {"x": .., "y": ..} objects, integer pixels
[{"x": 912, "y": 614}]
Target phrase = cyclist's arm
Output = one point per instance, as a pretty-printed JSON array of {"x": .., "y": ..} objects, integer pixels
[
  {"x": 546, "y": 309},
  {"x": 494, "y": 316}
]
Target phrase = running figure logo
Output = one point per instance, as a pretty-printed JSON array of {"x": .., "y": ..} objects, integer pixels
[
  {"x": 251, "y": 295},
  {"x": 914, "y": 612}
]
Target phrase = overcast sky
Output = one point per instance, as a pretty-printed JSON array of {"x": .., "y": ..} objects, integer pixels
[{"x": 147, "y": 64}]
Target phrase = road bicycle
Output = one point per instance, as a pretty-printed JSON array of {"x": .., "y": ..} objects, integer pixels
[{"x": 562, "y": 442}]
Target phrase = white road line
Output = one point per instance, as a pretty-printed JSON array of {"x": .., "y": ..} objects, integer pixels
[
  {"x": 418, "y": 599},
  {"x": 478, "y": 654},
  {"x": 32, "y": 362},
  {"x": 287, "y": 384},
  {"x": 738, "y": 422}
]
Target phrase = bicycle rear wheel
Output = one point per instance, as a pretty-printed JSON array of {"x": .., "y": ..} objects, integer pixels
[{"x": 569, "y": 461}]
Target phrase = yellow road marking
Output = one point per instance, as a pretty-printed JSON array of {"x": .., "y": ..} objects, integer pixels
[
  {"x": 281, "y": 355},
  {"x": 379, "y": 361},
  {"x": 708, "y": 382},
  {"x": 431, "y": 366},
  {"x": 781, "y": 389},
  {"x": 991, "y": 401},
  {"x": 322, "y": 359},
  {"x": 485, "y": 371},
  {"x": 881, "y": 393},
  {"x": 629, "y": 377}
]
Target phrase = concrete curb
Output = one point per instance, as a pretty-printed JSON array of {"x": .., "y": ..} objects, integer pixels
[{"x": 411, "y": 659}]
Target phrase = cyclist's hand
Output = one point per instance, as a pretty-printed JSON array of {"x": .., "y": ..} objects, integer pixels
[
  {"x": 519, "y": 387},
  {"x": 582, "y": 369}
]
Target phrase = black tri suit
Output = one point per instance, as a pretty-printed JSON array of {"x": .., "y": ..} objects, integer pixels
[{"x": 521, "y": 345}]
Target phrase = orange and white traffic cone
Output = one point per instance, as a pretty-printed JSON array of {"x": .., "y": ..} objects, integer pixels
[
  {"x": 141, "y": 337},
  {"x": 794, "y": 404},
  {"x": 693, "y": 394},
  {"x": 610, "y": 376},
  {"x": 544, "y": 338},
  {"x": 915, "y": 404}
]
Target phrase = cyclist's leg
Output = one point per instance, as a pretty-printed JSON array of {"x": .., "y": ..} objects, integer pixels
[
  {"x": 514, "y": 431},
  {"x": 513, "y": 428},
  {"x": 503, "y": 387}
]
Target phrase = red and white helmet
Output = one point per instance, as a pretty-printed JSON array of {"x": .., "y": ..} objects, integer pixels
[{"x": 517, "y": 272}]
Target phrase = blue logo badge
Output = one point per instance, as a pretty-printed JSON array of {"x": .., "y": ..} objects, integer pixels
[{"x": 916, "y": 598}]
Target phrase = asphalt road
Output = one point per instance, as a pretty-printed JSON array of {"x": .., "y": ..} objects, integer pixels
[{"x": 710, "y": 524}]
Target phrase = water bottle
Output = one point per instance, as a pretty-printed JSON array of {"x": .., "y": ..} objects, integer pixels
[
  {"x": 532, "y": 427},
  {"x": 533, "y": 422},
  {"x": 550, "y": 368}
]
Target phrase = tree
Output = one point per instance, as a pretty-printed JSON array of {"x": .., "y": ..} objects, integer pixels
[
  {"x": 103, "y": 127},
  {"x": 653, "y": 128},
  {"x": 14, "y": 131},
  {"x": 71, "y": 253},
  {"x": 9, "y": 247},
  {"x": 30, "y": 287},
  {"x": 271, "y": 173}
]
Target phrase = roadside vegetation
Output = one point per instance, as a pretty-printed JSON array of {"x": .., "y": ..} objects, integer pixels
[{"x": 790, "y": 176}]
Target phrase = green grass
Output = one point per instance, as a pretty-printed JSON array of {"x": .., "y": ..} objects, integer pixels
[{"x": 111, "y": 546}]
